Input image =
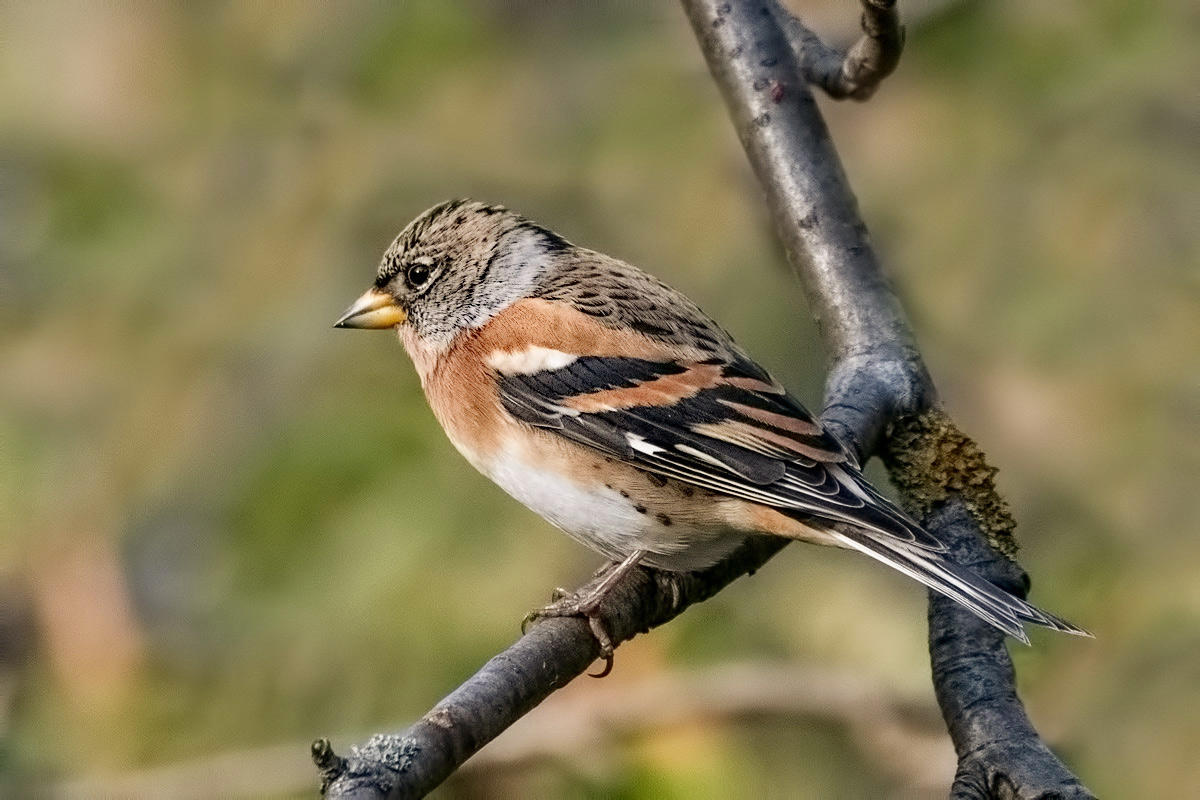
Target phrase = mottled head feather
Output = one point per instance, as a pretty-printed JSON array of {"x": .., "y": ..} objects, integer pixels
[{"x": 481, "y": 258}]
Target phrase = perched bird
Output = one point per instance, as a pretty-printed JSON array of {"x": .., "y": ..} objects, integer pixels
[{"x": 610, "y": 404}]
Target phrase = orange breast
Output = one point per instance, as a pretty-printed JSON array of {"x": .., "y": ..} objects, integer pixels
[{"x": 461, "y": 387}]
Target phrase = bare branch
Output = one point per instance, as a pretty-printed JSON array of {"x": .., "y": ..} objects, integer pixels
[
  {"x": 902, "y": 736},
  {"x": 877, "y": 385},
  {"x": 858, "y": 73},
  {"x": 550, "y": 655},
  {"x": 878, "y": 380},
  {"x": 1000, "y": 753},
  {"x": 817, "y": 218}
]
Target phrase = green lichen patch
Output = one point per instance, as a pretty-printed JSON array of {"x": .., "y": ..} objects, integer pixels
[{"x": 929, "y": 459}]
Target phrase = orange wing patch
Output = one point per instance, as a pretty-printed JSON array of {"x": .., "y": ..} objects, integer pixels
[
  {"x": 781, "y": 421},
  {"x": 751, "y": 437},
  {"x": 664, "y": 391}
]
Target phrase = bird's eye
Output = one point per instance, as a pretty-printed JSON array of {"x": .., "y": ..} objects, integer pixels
[{"x": 417, "y": 275}]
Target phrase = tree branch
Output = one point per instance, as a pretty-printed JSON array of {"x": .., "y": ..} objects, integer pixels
[
  {"x": 858, "y": 73},
  {"x": 550, "y": 655},
  {"x": 902, "y": 737},
  {"x": 878, "y": 385}
]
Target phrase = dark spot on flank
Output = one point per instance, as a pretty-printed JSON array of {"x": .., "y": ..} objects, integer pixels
[
  {"x": 461, "y": 219},
  {"x": 657, "y": 480},
  {"x": 624, "y": 493},
  {"x": 609, "y": 486},
  {"x": 640, "y": 509},
  {"x": 687, "y": 491},
  {"x": 663, "y": 518}
]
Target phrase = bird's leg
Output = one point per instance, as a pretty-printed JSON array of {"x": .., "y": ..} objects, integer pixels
[
  {"x": 587, "y": 605},
  {"x": 619, "y": 570}
]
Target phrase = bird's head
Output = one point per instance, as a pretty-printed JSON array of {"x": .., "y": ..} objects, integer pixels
[{"x": 453, "y": 268}]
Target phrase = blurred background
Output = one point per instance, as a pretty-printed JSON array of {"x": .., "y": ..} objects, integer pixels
[{"x": 228, "y": 529}]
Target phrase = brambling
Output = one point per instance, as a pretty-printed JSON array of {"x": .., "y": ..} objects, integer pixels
[{"x": 611, "y": 405}]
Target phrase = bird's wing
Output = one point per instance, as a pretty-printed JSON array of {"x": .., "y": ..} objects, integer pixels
[
  {"x": 721, "y": 423},
  {"x": 694, "y": 407},
  {"x": 724, "y": 425}
]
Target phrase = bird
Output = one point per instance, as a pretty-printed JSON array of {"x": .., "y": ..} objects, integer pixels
[{"x": 608, "y": 403}]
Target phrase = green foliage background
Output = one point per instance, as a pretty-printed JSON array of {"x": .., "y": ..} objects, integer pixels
[{"x": 226, "y": 525}]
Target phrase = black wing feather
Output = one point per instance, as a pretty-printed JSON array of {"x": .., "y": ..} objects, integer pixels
[
  {"x": 684, "y": 440},
  {"x": 664, "y": 439}
]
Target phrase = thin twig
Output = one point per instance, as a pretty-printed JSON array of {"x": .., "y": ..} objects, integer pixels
[{"x": 856, "y": 74}]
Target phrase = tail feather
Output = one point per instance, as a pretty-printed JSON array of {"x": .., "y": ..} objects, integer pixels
[{"x": 988, "y": 601}]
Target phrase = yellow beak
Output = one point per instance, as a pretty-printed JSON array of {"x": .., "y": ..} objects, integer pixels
[{"x": 375, "y": 310}]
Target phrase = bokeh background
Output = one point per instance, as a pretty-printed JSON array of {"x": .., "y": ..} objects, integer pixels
[{"x": 228, "y": 529}]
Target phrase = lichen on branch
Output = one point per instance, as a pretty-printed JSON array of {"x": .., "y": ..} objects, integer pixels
[{"x": 929, "y": 459}]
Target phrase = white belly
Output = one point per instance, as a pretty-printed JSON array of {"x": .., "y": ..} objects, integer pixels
[
  {"x": 607, "y": 521},
  {"x": 598, "y": 517}
]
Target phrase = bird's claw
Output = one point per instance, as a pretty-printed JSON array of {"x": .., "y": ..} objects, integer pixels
[
  {"x": 566, "y": 604},
  {"x": 606, "y": 646},
  {"x": 557, "y": 595}
]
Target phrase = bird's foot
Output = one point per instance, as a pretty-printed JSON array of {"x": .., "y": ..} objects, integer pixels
[
  {"x": 574, "y": 604},
  {"x": 586, "y": 604}
]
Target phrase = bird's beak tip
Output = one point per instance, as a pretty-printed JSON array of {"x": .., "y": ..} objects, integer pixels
[{"x": 375, "y": 310}]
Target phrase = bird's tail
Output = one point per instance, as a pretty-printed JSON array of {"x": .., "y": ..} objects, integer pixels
[{"x": 991, "y": 603}]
